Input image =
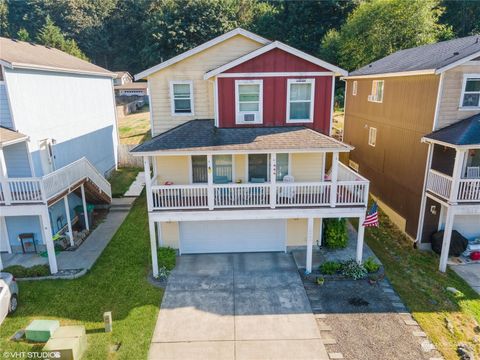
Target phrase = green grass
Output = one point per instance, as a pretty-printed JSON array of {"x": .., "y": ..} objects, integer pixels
[
  {"x": 135, "y": 128},
  {"x": 167, "y": 257},
  {"x": 415, "y": 276},
  {"x": 121, "y": 180},
  {"x": 116, "y": 283}
]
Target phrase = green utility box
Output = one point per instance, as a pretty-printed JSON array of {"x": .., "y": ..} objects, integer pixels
[{"x": 41, "y": 330}]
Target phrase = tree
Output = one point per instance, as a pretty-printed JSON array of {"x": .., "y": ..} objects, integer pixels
[
  {"x": 378, "y": 28},
  {"x": 23, "y": 35},
  {"x": 463, "y": 16}
]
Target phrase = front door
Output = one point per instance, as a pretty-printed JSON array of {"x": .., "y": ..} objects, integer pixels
[{"x": 46, "y": 156}]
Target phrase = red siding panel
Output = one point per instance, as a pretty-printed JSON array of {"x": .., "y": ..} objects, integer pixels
[
  {"x": 276, "y": 60},
  {"x": 275, "y": 102}
]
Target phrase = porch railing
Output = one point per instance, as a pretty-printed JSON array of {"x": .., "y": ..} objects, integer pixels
[
  {"x": 442, "y": 185},
  {"x": 42, "y": 189}
]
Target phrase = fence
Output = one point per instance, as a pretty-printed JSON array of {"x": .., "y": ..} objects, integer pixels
[{"x": 125, "y": 159}]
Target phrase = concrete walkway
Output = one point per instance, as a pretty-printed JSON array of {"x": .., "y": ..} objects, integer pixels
[
  {"x": 137, "y": 186},
  {"x": 236, "y": 306},
  {"x": 90, "y": 250},
  {"x": 470, "y": 273}
]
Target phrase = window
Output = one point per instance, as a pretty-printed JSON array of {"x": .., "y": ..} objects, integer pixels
[
  {"x": 249, "y": 101},
  {"x": 222, "y": 169},
  {"x": 300, "y": 100},
  {"x": 199, "y": 169},
  {"x": 259, "y": 166},
  {"x": 372, "y": 136},
  {"x": 181, "y": 94},
  {"x": 282, "y": 166},
  {"x": 354, "y": 88},
  {"x": 471, "y": 91},
  {"x": 377, "y": 91}
]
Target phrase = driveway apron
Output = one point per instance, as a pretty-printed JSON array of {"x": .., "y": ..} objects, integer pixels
[{"x": 236, "y": 306}]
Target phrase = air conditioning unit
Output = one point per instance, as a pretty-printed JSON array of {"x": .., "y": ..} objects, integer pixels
[
  {"x": 249, "y": 117},
  {"x": 353, "y": 165}
]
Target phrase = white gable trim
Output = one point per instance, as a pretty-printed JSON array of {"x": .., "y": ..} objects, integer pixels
[
  {"x": 200, "y": 48},
  {"x": 458, "y": 62},
  {"x": 271, "y": 46}
]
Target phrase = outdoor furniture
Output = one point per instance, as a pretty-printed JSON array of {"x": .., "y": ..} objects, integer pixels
[
  {"x": 41, "y": 330},
  {"x": 27, "y": 240},
  {"x": 473, "y": 172},
  {"x": 288, "y": 192}
]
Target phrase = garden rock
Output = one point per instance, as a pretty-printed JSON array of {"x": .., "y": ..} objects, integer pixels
[
  {"x": 449, "y": 325},
  {"x": 465, "y": 352}
]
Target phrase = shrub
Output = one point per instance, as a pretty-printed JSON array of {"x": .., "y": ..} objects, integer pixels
[
  {"x": 166, "y": 258},
  {"x": 353, "y": 270},
  {"x": 371, "y": 265},
  {"x": 330, "y": 267},
  {"x": 20, "y": 271},
  {"x": 336, "y": 235}
]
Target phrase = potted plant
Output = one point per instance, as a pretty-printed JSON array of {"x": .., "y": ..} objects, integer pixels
[{"x": 320, "y": 280}]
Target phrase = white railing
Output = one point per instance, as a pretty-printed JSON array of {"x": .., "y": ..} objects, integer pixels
[
  {"x": 303, "y": 194},
  {"x": 439, "y": 183},
  {"x": 28, "y": 190},
  {"x": 241, "y": 195},
  {"x": 469, "y": 190},
  {"x": 347, "y": 174},
  {"x": 352, "y": 193},
  {"x": 180, "y": 196}
]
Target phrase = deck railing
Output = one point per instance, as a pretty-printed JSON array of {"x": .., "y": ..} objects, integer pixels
[
  {"x": 442, "y": 185},
  {"x": 42, "y": 189},
  {"x": 267, "y": 195}
]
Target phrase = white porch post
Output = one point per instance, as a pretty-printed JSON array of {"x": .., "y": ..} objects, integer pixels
[
  {"x": 447, "y": 236},
  {"x": 320, "y": 232},
  {"x": 153, "y": 247},
  {"x": 360, "y": 236},
  {"x": 84, "y": 204},
  {"x": 7, "y": 197},
  {"x": 322, "y": 175},
  {"x": 273, "y": 180},
  {"x": 456, "y": 175},
  {"x": 1, "y": 263},
  {"x": 334, "y": 176},
  {"x": 69, "y": 221},
  {"x": 210, "y": 191},
  {"x": 148, "y": 182},
  {"x": 47, "y": 236},
  {"x": 159, "y": 234},
  {"x": 308, "y": 262}
]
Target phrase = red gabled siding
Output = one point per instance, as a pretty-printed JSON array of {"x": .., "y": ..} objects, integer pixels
[
  {"x": 276, "y": 60},
  {"x": 275, "y": 102}
]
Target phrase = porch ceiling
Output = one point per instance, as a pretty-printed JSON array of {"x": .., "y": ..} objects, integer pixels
[
  {"x": 202, "y": 135},
  {"x": 9, "y": 137}
]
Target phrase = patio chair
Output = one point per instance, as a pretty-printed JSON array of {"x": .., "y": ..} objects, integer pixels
[
  {"x": 473, "y": 172},
  {"x": 287, "y": 192}
]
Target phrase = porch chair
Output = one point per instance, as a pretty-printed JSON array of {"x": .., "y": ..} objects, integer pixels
[
  {"x": 288, "y": 192},
  {"x": 473, "y": 172}
]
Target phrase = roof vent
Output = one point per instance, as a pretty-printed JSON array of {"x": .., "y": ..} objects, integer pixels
[{"x": 456, "y": 53}]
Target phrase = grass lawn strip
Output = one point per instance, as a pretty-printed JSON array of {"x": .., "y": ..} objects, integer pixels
[
  {"x": 116, "y": 283},
  {"x": 415, "y": 276},
  {"x": 121, "y": 179}
]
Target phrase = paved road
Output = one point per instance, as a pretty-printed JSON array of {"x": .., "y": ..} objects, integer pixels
[{"x": 236, "y": 306}]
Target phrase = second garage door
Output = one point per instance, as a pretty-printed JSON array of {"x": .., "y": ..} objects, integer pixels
[{"x": 232, "y": 236}]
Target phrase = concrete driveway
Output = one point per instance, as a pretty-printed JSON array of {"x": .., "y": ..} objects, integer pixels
[{"x": 236, "y": 306}]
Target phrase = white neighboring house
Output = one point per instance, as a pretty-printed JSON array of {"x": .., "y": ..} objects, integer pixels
[
  {"x": 125, "y": 86},
  {"x": 58, "y": 141}
]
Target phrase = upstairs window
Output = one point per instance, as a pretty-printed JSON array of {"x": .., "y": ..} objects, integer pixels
[
  {"x": 181, "y": 94},
  {"x": 300, "y": 98},
  {"x": 372, "y": 136},
  {"x": 354, "y": 88},
  {"x": 249, "y": 101},
  {"x": 471, "y": 91},
  {"x": 377, "y": 91}
]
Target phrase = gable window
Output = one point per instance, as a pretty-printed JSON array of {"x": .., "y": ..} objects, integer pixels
[
  {"x": 354, "y": 88},
  {"x": 372, "y": 136},
  {"x": 249, "y": 101},
  {"x": 181, "y": 95},
  {"x": 300, "y": 98},
  {"x": 377, "y": 91},
  {"x": 471, "y": 91}
]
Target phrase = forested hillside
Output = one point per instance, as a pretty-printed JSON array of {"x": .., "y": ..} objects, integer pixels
[{"x": 135, "y": 34}]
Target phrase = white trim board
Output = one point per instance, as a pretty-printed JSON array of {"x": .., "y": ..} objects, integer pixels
[
  {"x": 275, "y": 74},
  {"x": 271, "y": 46},
  {"x": 200, "y": 48},
  {"x": 311, "y": 118}
]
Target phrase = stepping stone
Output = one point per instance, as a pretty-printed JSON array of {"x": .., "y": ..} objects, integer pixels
[
  {"x": 419, "y": 334},
  {"x": 335, "y": 355},
  {"x": 411, "y": 323},
  {"x": 398, "y": 304},
  {"x": 427, "y": 346},
  {"x": 388, "y": 290},
  {"x": 393, "y": 297},
  {"x": 320, "y": 316},
  {"x": 329, "y": 341},
  {"x": 323, "y": 327}
]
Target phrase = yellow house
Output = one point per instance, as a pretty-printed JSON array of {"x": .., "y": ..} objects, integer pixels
[{"x": 240, "y": 157}]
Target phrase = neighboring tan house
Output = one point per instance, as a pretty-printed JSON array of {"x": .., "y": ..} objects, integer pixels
[
  {"x": 413, "y": 119},
  {"x": 125, "y": 86},
  {"x": 241, "y": 153},
  {"x": 58, "y": 141}
]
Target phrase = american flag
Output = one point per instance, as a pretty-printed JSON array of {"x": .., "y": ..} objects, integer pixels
[{"x": 372, "y": 217}]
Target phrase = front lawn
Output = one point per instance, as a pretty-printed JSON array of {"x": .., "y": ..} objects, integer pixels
[
  {"x": 121, "y": 179},
  {"x": 116, "y": 283},
  {"x": 415, "y": 276}
]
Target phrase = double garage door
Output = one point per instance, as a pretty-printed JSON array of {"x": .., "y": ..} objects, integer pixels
[{"x": 232, "y": 236}]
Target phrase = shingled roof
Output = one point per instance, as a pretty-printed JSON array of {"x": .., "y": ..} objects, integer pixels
[
  {"x": 21, "y": 54},
  {"x": 464, "y": 132},
  {"x": 432, "y": 57},
  {"x": 202, "y": 135},
  {"x": 9, "y": 137}
]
